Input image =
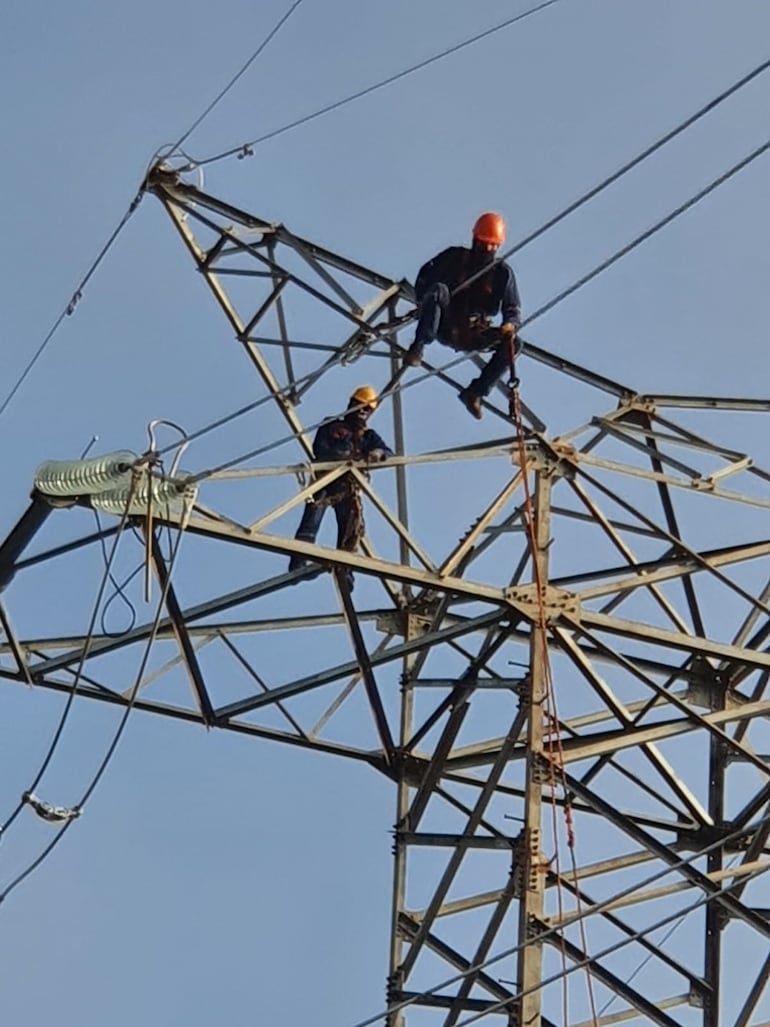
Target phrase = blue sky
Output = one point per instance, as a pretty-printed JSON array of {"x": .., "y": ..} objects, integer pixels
[{"x": 213, "y": 875}]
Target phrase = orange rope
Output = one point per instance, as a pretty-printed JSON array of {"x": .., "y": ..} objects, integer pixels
[{"x": 550, "y": 713}]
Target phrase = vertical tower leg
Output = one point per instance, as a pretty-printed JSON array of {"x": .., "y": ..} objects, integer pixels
[{"x": 530, "y": 877}]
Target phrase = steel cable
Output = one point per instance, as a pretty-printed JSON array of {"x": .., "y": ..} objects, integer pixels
[
  {"x": 594, "y": 910},
  {"x": 106, "y": 759},
  {"x": 79, "y": 670},
  {"x": 540, "y": 312},
  {"x": 244, "y": 148}
]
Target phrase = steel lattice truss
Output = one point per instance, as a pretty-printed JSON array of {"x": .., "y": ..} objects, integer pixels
[{"x": 651, "y": 546}]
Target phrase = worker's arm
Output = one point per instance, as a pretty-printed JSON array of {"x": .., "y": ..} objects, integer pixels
[
  {"x": 510, "y": 303},
  {"x": 374, "y": 447}
]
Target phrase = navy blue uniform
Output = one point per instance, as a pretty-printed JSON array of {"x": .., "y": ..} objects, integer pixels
[
  {"x": 346, "y": 438},
  {"x": 460, "y": 319}
]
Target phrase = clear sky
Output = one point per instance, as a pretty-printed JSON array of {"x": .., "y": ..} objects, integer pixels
[{"x": 215, "y": 878}]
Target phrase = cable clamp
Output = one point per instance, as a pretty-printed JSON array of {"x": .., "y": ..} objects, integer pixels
[{"x": 49, "y": 813}]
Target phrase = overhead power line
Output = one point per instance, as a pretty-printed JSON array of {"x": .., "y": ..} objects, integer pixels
[
  {"x": 609, "y": 180},
  {"x": 110, "y": 751},
  {"x": 588, "y": 912},
  {"x": 696, "y": 116},
  {"x": 244, "y": 148},
  {"x": 625, "y": 250},
  {"x": 239, "y": 74},
  {"x": 540, "y": 312},
  {"x": 73, "y": 302},
  {"x": 78, "y": 293},
  {"x": 72, "y": 691}
]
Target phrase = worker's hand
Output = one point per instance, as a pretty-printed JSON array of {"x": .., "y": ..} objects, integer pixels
[
  {"x": 508, "y": 331},
  {"x": 376, "y": 456}
]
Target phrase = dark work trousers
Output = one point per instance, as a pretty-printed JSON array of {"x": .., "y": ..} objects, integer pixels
[
  {"x": 468, "y": 338},
  {"x": 344, "y": 506}
]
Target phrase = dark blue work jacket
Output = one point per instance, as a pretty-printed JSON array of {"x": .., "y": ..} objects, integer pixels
[
  {"x": 493, "y": 292},
  {"x": 340, "y": 440}
]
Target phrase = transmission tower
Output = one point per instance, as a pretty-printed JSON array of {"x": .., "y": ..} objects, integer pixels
[{"x": 562, "y": 669}]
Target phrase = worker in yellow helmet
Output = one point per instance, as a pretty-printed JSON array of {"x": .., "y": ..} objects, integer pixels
[
  {"x": 344, "y": 438},
  {"x": 460, "y": 316}
]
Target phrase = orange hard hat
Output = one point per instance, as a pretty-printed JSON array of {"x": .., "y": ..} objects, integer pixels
[{"x": 490, "y": 228}]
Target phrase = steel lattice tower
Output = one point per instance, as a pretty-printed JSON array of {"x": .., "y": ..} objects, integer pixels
[{"x": 599, "y": 651}]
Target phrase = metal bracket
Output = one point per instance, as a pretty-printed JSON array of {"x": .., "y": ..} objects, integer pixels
[{"x": 555, "y": 601}]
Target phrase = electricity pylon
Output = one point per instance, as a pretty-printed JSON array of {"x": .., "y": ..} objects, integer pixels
[{"x": 557, "y": 649}]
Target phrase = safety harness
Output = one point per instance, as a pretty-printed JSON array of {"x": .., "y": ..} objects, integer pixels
[{"x": 347, "y": 489}]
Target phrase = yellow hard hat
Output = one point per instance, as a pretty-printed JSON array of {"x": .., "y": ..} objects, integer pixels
[{"x": 365, "y": 395}]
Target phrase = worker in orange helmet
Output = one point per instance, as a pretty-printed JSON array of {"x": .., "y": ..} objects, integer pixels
[
  {"x": 344, "y": 438},
  {"x": 460, "y": 316}
]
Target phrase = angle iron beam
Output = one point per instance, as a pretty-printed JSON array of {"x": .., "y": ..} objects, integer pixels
[
  {"x": 436, "y": 764},
  {"x": 673, "y": 700},
  {"x": 410, "y": 930},
  {"x": 651, "y": 753},
  {"x": 221, "y": 296},
  {"x": 623, "y": 1015},
  {"x": 265, "y": 688},
  {"x": 433, "y": 1001},
  {"x": 167, "y": 184},
  {"x": 697, "y": 984},
  {"x": 446, "y": 840},
  {"x": 534, "y": 702},
  {"x": 677, "y": 640},
  {"x": 180, "y": 631},
  {"x": 371, "y": 757},
  {"x": 455, "y": 558},
  {"x": 616, "y": 984},
  {"x": 630, "y": 827},
  {"x": 481, "y": 953},
  {"x": 143, "y": 631},
  {"x": 461, "y": 843},
  {"x": 754, "y": 849},
  {"x": 212, "y": 272},
  {"x": 753, "y": 997},
  {"x": 673, "y": 539},
  {"x": 467, "y": 680},
  {"x": 363, "y": 660},
  {"x": 601, "y": 742},
  {"x": 682, "y": 829},
  {"x": 671, "y": 569},
  {"x": 641, "y": 419},
  {"x": 67, "y": 547},
  {"x": 727, "y": 403},
  {"x": 406, "y": 541},
  {"x": 344, "y": 670},
  {"x": 698, "y": 486},
  {"x": 625, "y": 550},
  {"x": 673, "y": 527},
  {"x": 577, "y": 371},
  {"x": 627, "y": 439},
  {"x": 22, "y": 664}
]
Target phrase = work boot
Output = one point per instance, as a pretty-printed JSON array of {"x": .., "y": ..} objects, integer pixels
[
  {"x": 471, "y": 401},
  {"x": 346, "y": 574},
  {"x": 299, "y": 563},
  {"x": 413, "y": 356}
]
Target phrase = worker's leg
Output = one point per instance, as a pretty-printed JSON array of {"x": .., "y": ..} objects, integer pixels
[
  {"x": 495, "y": 368},
  {"x": 307, "y": 531},
  {"x": 432, "y": 308},
  {"x": 350, "y": 527},
  {"x": 501, "y": 360}
]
